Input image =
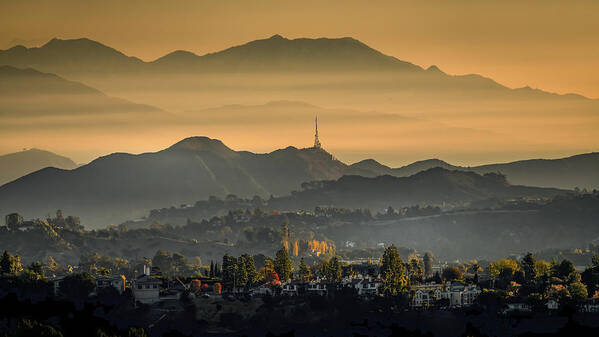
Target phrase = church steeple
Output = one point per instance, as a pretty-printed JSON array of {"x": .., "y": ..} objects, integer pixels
[{"x": 316, "y": 141}]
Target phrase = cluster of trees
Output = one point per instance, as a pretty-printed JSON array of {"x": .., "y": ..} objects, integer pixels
[
  {"x": 535, "y": 279},
  {"x": 238, "y": 272},
  {"x": 104, "y": 265},
  {"x": 176, "y": 264}
]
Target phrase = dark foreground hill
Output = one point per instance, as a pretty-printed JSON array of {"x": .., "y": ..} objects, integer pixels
[{"x": 18, "y": 164}]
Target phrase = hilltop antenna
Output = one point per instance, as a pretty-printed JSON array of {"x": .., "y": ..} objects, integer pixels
[{"x": 317, "y": 144}]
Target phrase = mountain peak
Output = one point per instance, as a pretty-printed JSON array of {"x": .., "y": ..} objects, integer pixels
[
  {"x": 277, "y": 37},
  {"x": 434, "y": 69},
  {"x": 202, "y": 144}
]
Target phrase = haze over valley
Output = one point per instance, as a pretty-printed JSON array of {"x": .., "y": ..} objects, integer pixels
[{"x": 262, "y": 95}]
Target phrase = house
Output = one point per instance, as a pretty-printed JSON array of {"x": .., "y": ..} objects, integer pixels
[
  {"x": 423, "y": 298},
  {"x": 426, "y": 294},
  {"x": 552, "y": 304},
  {"x": 369, "y": 286},
  {"x": 517, "y": 307},
  {"x": 146, "y": 289},
  {"x": 317, "y": 287},
  {"x": 56, "y": 283},
  {"x": 117, "y": 282},
  {"x": 292, "y": 288},
  {"x": 460, "y": 295},
  {"x": 455, "y": 293},
  {"x": 263, "y": 290},
  {"x": 591, "y": 305}
]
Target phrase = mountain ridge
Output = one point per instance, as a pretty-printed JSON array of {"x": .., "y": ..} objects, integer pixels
[
  {"x": 122, "y": 186},
  {"x": 559, "y": 172},
  {"x": 18, "y": 164},
  {"x": 83, "y": 56}
]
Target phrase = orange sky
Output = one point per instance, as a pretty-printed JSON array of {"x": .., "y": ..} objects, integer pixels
[{"x": 548, "y": 44}]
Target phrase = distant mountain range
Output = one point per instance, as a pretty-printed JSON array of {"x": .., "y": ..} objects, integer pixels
[
  {"x": 84, "y": 58},
  {"x": 576, "y": 171},
  {"x": 18, "y": 164},
  {"x": 29, "y": 93},
  {"x": 122, "y": 186}
]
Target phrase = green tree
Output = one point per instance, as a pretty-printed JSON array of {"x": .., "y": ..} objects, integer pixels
[
  {"x": 9, "y": 264},
  {"x": 77, "y": 286},
  {"x": 250, "y": 267},
  {"x": 241, "y": 277},
  {"x": 304, "y": 271},
  {"x": 528, "y": 264},
  {"x": 163, "y": 260},
  {"x": 415, "y": 270},
  {"x": 451, "y": 273},
  {"x": 283, "y": 265},
  {"x": 564, "y": 269},
  {"x": 179, "y": 263},
  {"x": 393, "y": 271},
  {"x": 37, "y": 268},
  {"x": 229, "y": 271},
  {"x": 578, "y": 291},
  {"x": 334, "y": 270}
]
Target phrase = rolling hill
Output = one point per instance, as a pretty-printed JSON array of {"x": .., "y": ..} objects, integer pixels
[
  {"x": 31, "y": 93},
  {"x": 123, "y": 186},
  {"x": 18, "y": 164},
  {"x": 576, "y": 171},
  {"x": 435, "y": 186}
]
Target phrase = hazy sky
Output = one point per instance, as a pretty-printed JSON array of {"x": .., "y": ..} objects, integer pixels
[{"x": 548, "y": 44}]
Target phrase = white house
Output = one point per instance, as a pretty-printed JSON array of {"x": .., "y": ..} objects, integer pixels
[
  {"x": 521, "y": 307},
  {"x": 552, "y": 304},
  {"x": 263, "y": 290},
  {"x": 56, "y": 283},
  {"x": 117, "y": 282},
  {"x": 423, "y": 298},
  {"x": 146, "y": 289},
  {"x": 591, "y": 305},
  {"x": 369, "y": 286},
  {"x": 290, "y": 288},
  {"x": 456, "y": 293},
  {"x": 317, "y": 287}
]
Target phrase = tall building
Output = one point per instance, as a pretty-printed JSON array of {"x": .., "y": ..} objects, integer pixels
[{"x": 316, "y": 141}]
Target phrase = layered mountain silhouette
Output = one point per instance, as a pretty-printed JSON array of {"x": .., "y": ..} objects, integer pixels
[
  {"x": 18, "y": 164},
  {"x": 576, "y": 171},
  {"x": 84, "y": 58},
  {"x": 70, "y": 57},
  {"x": 122, "y": 186},
  {"x": 435, "y": 186},
  {"x": 28, "y": 92},
  {"x": 279, "y": 53}
]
